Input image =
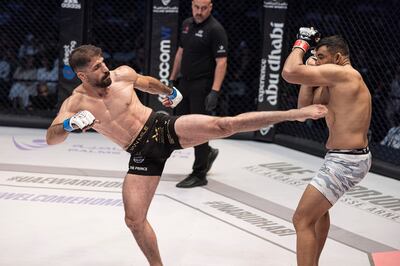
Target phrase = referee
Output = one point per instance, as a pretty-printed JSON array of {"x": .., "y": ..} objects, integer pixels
[{"x": 201, "y": 59}]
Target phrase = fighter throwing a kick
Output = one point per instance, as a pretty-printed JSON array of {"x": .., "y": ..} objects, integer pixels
[{"x": 106, "y": 101}]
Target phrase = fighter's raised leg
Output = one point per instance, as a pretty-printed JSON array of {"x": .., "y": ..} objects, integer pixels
[{"x": 196, "y": 129}]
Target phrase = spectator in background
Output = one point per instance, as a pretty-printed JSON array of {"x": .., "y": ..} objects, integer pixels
[
  {"x": 5, "y": 70},
  {"x": 394, "y": 105},
  {"x": 30, "y": 46},
  {"x": 392, "y": 139},
  {"x": 44, "y": 100},
  {"x": 24, "y": 79},
  {"x": 380, "y": 123},
  {"x": 48, "y": 73},
  {"x": 5, "y": 67}
]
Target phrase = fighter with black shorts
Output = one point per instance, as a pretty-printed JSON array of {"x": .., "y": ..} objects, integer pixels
[{"x": 153, "y": 146}]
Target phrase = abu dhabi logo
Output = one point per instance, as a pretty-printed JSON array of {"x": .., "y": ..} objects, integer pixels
[
  {"x": 72, "y": 4},
  {"x": 32, "y": 145},
  {"x": 165, "y": 2}
]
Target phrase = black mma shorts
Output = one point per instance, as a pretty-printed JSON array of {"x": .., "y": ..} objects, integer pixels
[{"x": 153, "y": 146}]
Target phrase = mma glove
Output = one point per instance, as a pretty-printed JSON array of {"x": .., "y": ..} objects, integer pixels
[
  {"x": 79, "y": 120},
  {"x": 211, "y": 100},
  {"x": 175, "y": 97},
  {"x": 307, "y": 38}
]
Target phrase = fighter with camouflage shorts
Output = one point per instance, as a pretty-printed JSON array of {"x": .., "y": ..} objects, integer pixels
[
  {"x": 328, "y": 78},
  {"x": 341, "y": 171}
]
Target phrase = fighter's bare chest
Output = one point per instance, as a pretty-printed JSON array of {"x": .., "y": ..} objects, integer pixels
[{"x": 110, "y": 106}]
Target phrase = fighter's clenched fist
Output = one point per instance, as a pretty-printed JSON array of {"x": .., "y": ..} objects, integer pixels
[{"x": 81, "y": 120}]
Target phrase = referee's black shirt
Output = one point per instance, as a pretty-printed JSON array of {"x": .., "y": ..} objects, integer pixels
[{"x": 201, "y": 44}]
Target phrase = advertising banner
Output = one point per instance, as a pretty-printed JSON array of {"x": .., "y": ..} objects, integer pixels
[
  {"x": 274, "y": 13},
  {"x": 72, "y": 29},
  {"x": 164, "y": 40}
]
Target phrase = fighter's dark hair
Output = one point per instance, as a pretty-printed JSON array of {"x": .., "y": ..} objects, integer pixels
[
  {"x": 81, "y": 56},
  {"x": 335, "y": 44}
]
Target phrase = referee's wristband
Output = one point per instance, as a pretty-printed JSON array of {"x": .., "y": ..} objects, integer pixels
[{"x": 67, "y": 126}]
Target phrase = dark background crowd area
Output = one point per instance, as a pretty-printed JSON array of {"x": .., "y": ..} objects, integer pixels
[{"x": 29, "y": 51}]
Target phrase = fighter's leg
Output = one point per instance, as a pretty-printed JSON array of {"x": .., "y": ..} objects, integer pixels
[
  {"x": 137, "y": 192},
  {"x": 196, "y": 129},
  {"x": 312, "y": 206},
  {"x": 321, "y": 231}
]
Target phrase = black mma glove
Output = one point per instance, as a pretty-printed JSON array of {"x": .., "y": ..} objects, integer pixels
[
  {"x": 307, "y": 38},
  {"x": 211, "y": 100}
]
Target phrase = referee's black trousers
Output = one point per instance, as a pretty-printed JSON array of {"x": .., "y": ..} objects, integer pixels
[{"x": 194, "y": 93}]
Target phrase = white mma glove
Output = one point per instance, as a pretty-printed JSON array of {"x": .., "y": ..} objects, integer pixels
[
  {"x": 307, "y": 38},
  {"x": 175, "y": 97},
  {"x": 81, "y": 120}
]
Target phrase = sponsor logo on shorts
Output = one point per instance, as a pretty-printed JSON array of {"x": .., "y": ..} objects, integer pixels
[
  {"x": 71, "y": 4},
  {"x": 221, "y": 49},
  {"x": 165, "y": 2},
  {"x": 138, "y": 168},
  {"x": 138, "y": 159}
]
